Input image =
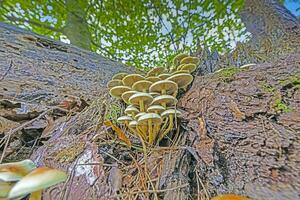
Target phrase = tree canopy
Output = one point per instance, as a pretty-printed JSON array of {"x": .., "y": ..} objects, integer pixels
[{"x": 141, "y": 33}]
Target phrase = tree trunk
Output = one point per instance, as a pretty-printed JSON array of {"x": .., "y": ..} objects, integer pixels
[
  {"x": 239, "y": 133},
  {"x": 76, "y": 28},
  {"x": 274, "y": 32}
]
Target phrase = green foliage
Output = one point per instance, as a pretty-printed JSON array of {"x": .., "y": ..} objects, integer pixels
[
  {"x": 267, "y": 88},
  {"x": 140, "y": 33},
  {"x": 280, "y": 106},
  {"x": 294, "y": 81},
  {"x": 226, "y": 73}
]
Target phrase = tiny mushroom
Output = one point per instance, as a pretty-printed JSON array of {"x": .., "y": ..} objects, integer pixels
[
  {"x": 190, "y": 59},
  {"x": 15, "y": 171},
  {"x": 117, "y": 91},
  {"x": 131, "y": 110},
  {"x": 178, "y": 58},
  {"x": 170, "y": 113},
  {"x": 126, "y": 95},
  {"x": 124, "y": 120},
  {"x": 153, "y": 121},
  {"x": 190, "y": 67},
  {"x": 182, "y": 80},
  {"x": 158, "y": 109},
  {"x": 164, "y": 87},
  {"x": 119, "y": 76},
  {"x": 130, "y": 79},
  {"x": 155, "y": 71},
  {"x": 164, "y": 100},
  {"x": 180, "y": 72},
  {"x": 141, "y": 99},
  {"x": 113, "y": 83},
  {"x": 37, "y": 180},
  {"x": 153, "y": 79},
  {"x": 164, "y": 76},
  {"x": 142, "y": 86}
]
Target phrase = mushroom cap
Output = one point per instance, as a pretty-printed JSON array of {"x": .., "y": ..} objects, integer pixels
[
  {"x": 169, "y": 86},
  {"x": 190, "y": 67},
  {"x": 142, "y": 85},
  {"x": 130, "y": 79},
  {"x": 133, "y": 124},
  {"x": 179, "y": 57},
  {"x": 141, "y": 96},
  {"x": 169, "y": 112},
  {"x": 126, "y": 95},
  {"x": 5, "y": 187},
  {"x": 181, "y": 72},
  {"x": 154, "y": 94},
  {"x": 15, "y": 171},
  {"x": 119, "y": 76},
  {"x": 190, "y": 59},
  {"x": 164, "y": 76},
  {"x": 167, "y": 99},
  {"x": 113, "y": 83},
  {"x": 156, "y": 109},
  {"x": 153, "y": 79},
  {"x": 117, "y": 91},
  {"x": 36, "y": 180},
  {"x": 143, "y": 120},
  {"x": 139, "y": 114},
  {"x": 182, "y": 80},
  {"x": 155, "y": 71},
  {"x": 124, "y": 119},
  {"x": 131, "y": 109}
]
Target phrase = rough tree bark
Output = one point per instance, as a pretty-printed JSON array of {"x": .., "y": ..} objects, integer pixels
[{"x": 239, "y": 133}]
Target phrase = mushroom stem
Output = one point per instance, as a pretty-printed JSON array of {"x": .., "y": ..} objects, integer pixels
[
  {"x": 142, "y": 109},
  {"x": 141, "y": 132},
  {"x": 163, "y": 91},
  {"x": 151, "y": 135},
  {"x": 169, "y": 127},
  {"x": 164, "y": 126}
]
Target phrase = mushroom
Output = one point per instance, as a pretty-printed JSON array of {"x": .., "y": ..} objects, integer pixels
[
  {"x": 164, "y": 87},
  {"x": 4, "y": 189},
  {"x": 119, "y": 76},
  {"x": 130, "y": 79},
  {"x": 164, "y": 76},
  {"x": 164, "y": 100},
  {"x": 15, "y": 171},
  {"x": 178, "y": 58},
  {"x": 190, "y": 67},
  {"x": 156, "y": 109},
  {"x": 150, "y": 119},
  {"x": 181, "y": 72},
  {"x": 190, "y": 59},
  {"x": 117, "y": 91},
  {"x": 155, "y": 71},
  {"x": 124, "y": 120},
  {"x": 113, "y": 83},
  {"x": 182, "y": 80},
  {"x": 142, "y": 86},
  {"x": 37, "y": 180},
  {"x": 170, "y": 113},
  {"x": 135, "y": 129},
  {"x": 131, "y": 110},
  {"x": 141, "y": 99},
  {"x": 153, "y": 79},
  {"x": 126, "y": 95}
]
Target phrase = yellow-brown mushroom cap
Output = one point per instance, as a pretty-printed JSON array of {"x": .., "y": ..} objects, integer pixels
[
  {"x": 124, "y": 119},
  {"x": 142, "y": 85},
  {"x": 36, "y": 180},
  {"x": 169, "y": 112},
  {"x": 137, "y": 116},
  {"x": 169, "y": 86},
  {"x": 164, "y": 76},
  {"x": 133, "y": 124},
  {"x": 182, "y": 80},
  {"x": 126, "y": 95},
  {"x": 130, "y": 79},
  {"x": 16, "y": 170},
  {"x": 117, "y": 91},
  {"x": 156, "y": 109},
  {"x": 113, "y": 83},
  {"x": 155, "y": 71},
  {"x": 141, "y": 96},
  {"x": 180, "y": 72},
  {"x": 164, "y": 99},
  {"x": 190, "y": 59},
  {"x": 190, "y": 67},
  {"x": 119, "y": 76},
  {"x": 131, "y": 110},
  {"x": 155, "y": 118},
  {"x": 153, "y": 79},
  {"x": 178, "y": 58}
]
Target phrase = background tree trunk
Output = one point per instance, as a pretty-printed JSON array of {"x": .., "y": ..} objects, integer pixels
[{"x": 239, "y": 133}]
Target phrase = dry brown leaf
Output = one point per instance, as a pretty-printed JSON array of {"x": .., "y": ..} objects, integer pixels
[
  {"x": 121, "y": 135},
  {"x": 238, "y": 115}
]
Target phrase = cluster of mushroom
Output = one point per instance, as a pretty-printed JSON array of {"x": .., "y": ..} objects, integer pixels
[
  {"x": 19, "y": 179},
  {"x": 151, "y": 99}
]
